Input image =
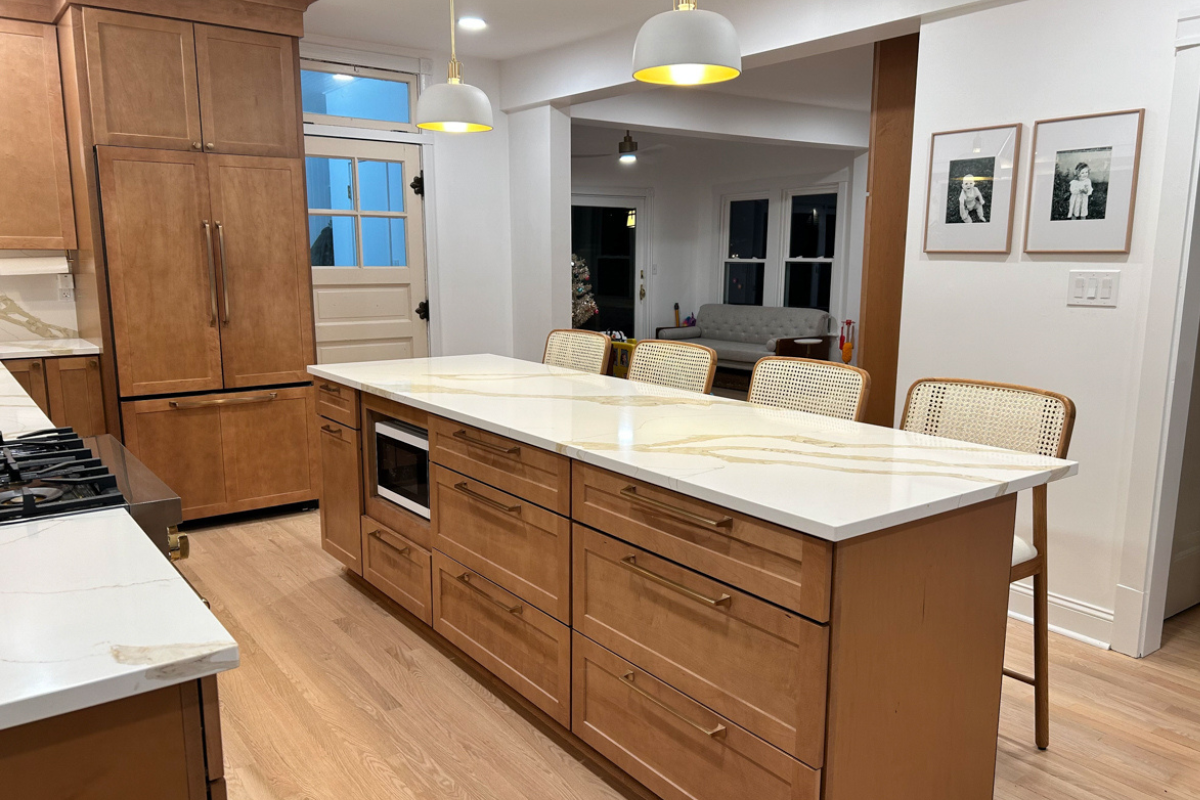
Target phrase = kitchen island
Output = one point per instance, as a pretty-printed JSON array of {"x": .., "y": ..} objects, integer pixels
[
  {"x": 108, "y": 657},
  {"x": 720, "y": 599}
]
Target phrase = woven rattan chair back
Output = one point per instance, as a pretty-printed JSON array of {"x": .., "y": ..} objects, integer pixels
[
  {"x": 587, "y": 351},
  {"x": 802, "y": 384},
  {"x": 995, "y": 414},
  {"x": 682, "y": 365}
]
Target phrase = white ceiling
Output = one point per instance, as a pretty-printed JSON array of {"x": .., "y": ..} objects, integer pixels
[
  {"x": 839, "y": 79},
  {"x": 515, "y": 27}
]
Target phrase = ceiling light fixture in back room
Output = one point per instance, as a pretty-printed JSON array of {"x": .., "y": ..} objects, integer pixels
[
  {"x": 454, "y": 106},
  {"x": 627, "y": 150},
  {"x": 687, "y": 47}
]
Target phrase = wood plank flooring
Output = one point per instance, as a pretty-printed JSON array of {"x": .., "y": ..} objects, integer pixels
[{"x": 340, "y": 698}]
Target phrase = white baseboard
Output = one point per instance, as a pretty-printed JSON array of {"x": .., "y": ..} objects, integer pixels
[{"x": 1070, "y": 617}]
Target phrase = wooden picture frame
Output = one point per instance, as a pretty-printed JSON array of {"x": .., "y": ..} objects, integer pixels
[
  {"x": 1066, "y": 139},
  {"x": 995, "y": 150}
]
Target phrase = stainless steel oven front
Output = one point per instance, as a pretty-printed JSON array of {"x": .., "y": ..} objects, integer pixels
[{"x": 402, "y": 465}]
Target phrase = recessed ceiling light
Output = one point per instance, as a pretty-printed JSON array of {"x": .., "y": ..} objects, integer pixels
[
  {"x": 471, "y": 23},
  {"x": 337, "y": 76}
]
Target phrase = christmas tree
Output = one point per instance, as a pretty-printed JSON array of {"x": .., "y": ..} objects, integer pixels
[{"x": 583, "y": 302}]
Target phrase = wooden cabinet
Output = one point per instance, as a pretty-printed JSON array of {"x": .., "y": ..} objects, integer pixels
[
  {"x": 170, "y": 84},
  {"x": 341, "y": 497},
  {"x": 31, "y": 374},
  {"x": 259, "y": 213},
  {"x": 398, "y": 567},
  {"x": 338, "y": 403},
  {"x": 229, "y": 452},
  {"x": 161, "y": 246},
  {"x": 74, "y": 394},
  {"x": 208, "y": 270},
  {"x": 248, "y": 99},
  {"x": 36, "y": 211}
]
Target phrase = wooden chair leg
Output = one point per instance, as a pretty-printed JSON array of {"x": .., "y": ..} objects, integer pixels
[{"x": 1041, "y": 660}]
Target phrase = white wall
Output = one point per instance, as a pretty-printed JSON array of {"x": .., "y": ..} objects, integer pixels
[
  {"x": 686, "y": 180},
  {"x": 1006, "y": 318}
]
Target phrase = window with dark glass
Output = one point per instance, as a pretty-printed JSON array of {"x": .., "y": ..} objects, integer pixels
[
  {"x": 747, "y": 251},
  {"x": 812, "y": 244},
  {"x": 744, "y": 283}
]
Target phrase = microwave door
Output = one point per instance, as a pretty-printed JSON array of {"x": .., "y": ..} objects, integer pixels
[{"x": 402, "y": 468}]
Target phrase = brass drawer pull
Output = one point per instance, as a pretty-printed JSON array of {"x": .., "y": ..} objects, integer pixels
[
  {"x": 401, "y": 549},
  {"x": 715, "y": 733},
  {"x": 508, "y": 451},
  {"x": 212, "y": 272},
  {"x": 465, "y": 580},
  {"x": 630, "y": 564},
  {"x": 496, "y": 504},
  {"x": 224, "y": 268},
  {"x": 630, "y": 493},
  {"x": 224, "y": 401},
  {"x": 332, "y": 430},
  {"x": 331, "y": 389}
]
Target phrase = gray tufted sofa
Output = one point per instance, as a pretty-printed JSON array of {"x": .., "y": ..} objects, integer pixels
[{"x": 742, "y": 335}]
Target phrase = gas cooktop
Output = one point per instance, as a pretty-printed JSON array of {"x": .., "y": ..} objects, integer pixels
[{"x": 52, "y": 472}]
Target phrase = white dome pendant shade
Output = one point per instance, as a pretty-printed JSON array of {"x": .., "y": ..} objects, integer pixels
[
  {"x": 453, "y": 106},
  {"x": 687, "y": 47}
]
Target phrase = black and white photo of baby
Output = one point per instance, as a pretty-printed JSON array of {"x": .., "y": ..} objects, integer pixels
[
  {"x": 969, "y": 193},
  {"x": 1081, "y": 184}
]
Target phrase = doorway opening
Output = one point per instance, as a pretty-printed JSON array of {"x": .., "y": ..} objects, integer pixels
[{"x": 605, "y": 234}]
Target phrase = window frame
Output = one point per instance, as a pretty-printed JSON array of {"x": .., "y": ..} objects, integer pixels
[
  {"x": 727, "y": 202},
  {"x": 313, "y": 65},
  {"x": 837, "y": 278}
]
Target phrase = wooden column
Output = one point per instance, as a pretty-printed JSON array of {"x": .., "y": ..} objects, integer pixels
[{"x": 889, "y": 165}]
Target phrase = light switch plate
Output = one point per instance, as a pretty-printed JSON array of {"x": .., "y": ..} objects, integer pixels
[{"x": 1093, "y": 287}]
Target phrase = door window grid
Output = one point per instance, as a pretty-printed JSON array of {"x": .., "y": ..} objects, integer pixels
[
  {"x": 747, "y": 226},
  {"x": 370, "y": 98},
  {"x": 347, "y": 234}
]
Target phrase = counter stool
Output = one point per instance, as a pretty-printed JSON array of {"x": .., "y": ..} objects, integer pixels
[
  {"x": 1015, "y": 418},
  {"x": 802, "y": 384},
  {"x": 586, "y": 351},
  {"x": 682, "y": 365}
]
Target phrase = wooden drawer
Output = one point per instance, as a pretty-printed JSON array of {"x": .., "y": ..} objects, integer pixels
[
  {"x": 777, "y": 564},
  {"x": 399, "y": 568},
  {"x": 676, "y": 747},
  {"x": 755, "y": 663},
  {"x": 341, "y": 497},
  {"x": 528, "y": 650},
  {"x": 338, "y": 403},
  {"x": 524, "y": 548},
  {"x": 530, "y": 473}
]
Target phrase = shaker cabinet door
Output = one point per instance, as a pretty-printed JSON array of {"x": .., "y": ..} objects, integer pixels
[
  {"x": 341, "y": 494},
  {"x": 76, "y": 399},
  {"x": 161, "y": 270},
  {"x": 248, "y": 99},
  {"x": 142, "y": 79},
  {"x": 265, "y": 298},
  {"x": 31, "y": 374},
  {"x": 180, "y": 442}
]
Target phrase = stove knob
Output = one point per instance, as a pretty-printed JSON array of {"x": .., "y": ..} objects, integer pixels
[{"x": 177, "y": 544}]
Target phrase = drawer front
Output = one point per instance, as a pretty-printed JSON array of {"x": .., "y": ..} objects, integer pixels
[
  {"x": 338, "y": 403},
  {"x": 521, "y": 546},
  {"x": 678, "y": 748},
  {"x": 530, "y": 473},
  {"x": 777, "y": 564},
  {"x": 341, "y": 500},
  {"x": 752, "y": 662},
  {"x": 398, "y": 567},
  {"x": 528, "y": 650}
]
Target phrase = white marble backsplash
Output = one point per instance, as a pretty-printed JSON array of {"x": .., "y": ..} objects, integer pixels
[{"x": 30, "y": 308}]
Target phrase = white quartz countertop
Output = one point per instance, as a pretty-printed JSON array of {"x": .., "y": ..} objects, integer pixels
[
  {"x": 47, "y": 348},
  {"x": 829, "y": 478},
  {"x": 90, "y": 610}
]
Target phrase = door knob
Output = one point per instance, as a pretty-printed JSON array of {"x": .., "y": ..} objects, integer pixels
[{"x": 642, "y": 292}]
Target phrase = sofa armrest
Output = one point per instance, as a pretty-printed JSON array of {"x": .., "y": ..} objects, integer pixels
[{"x": 682, "y": 332}]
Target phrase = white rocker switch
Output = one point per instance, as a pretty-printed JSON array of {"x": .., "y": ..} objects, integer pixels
[{"x": 1094, "y": 288}]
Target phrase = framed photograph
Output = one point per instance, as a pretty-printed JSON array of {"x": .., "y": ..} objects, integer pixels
[
  {"x": 971, "y": 190},
  {"x": 1083, "y": 183}
]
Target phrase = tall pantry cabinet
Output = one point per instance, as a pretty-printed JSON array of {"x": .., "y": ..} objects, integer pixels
[{"x": 186, "y": 141}]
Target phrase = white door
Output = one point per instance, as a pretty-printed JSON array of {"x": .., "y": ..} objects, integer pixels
[{"x": 367, "y": 244}]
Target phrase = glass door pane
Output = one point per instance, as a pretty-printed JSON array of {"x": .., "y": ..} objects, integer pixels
[
  {"x": 331, "y": 241},
  {"x": 606, "y": 242}
]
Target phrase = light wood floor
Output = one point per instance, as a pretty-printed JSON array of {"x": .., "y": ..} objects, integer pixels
[{"x": 339, "y": 698}]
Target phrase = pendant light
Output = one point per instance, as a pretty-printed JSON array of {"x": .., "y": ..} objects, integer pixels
[
  {"x": 686, "y": 47},
  {"x": 627, "y": 150},
  {"x": 454, "y": 106}
]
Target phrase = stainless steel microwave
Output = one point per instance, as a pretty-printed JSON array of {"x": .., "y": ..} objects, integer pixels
[{"x": 402, "y": 465}]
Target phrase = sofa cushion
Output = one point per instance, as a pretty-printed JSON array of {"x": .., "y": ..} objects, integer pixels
[
  {"x": 688, "y": 332},
  {"x": 741, "y": 353},
  {"x": 759, "y": 324}
]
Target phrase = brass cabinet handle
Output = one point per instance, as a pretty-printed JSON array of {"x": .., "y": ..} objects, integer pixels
[
  {"x": 716, "y": 732},
  {"x": 195, "y": 145},
  {"x": 224, "y": 269},
  {"x": 462, "y": 437},
  {"x": 386, "y": 538},
  {"x": 496, "y": 504},
  {"x": 332, "y": 430},
  {"x": 36, "y": 366},
  {"x": 630, "y": 563},
  {"x": 209, "y": 146},
  {"x": 224, "y": 401},
  {"x": 94, "y": 363},
  {"x": 212, "y": 273},
  {"x": 331, "y": 389},
  {"x": 631, "y": 493},
  {"x": 465, "y": 580}
]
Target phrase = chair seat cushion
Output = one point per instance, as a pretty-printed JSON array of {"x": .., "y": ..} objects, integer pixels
[
  {"x": 741, "y": 352},
  {"x": 1022, "y": 551}
]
